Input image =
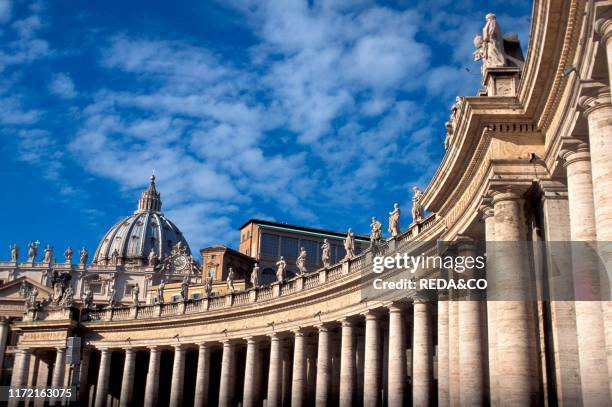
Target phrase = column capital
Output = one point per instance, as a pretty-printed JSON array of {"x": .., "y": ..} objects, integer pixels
[
  {"x": 396, "y": 307},
  {"x": 129, "y": 349},
  {"x": 323, "y": 327},
  {"x": 423, "y": 296},
  {"x": 298, "y": 332},
  {"x": 347, "y": 321},
  {"x": 203, "y": 345},
  {"x": 603, "y": 28},
  {"x": 594, "y": 98},
  {"x": 179, "y": 347},
  {"x": 486, "y": 208},
  {"x": 574, "y": 150},
  {"x": 370, "y": 315},
  {"x": 507, "y": 193},
  {"x": 154, "y": 348}
]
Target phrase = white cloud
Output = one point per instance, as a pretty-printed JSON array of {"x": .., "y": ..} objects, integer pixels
[
  {"x": 6, "y": 9},
  {"x": 62, "y": 85}
]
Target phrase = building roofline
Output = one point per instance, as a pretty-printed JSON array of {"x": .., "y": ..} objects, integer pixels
[
  {"x": 224, "y": 247},
  {"x": 288, "y": 226}
]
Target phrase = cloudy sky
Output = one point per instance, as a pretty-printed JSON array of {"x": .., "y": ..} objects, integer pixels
[{"x": 318, "y": 113}]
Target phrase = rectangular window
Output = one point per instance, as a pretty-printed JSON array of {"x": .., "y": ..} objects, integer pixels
[
  {"x": 196, "y": 296},
  {"x": 96, "y": 288},
  {"x": 269, "y": 245},
  {"x": 289, "y": 247},
  {"x": 128, "y": 289}
]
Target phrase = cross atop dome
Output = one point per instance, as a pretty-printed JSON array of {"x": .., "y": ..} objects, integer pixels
[{"x": 150, "y": 200}]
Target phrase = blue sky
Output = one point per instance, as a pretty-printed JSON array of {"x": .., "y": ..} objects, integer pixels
[{"x": 313, "y": 113}]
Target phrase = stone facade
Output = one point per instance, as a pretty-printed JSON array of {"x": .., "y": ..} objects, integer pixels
[{"x": 528, "y": 161}]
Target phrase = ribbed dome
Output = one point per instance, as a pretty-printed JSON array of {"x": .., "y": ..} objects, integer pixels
[{"x": 134, "y": 236}]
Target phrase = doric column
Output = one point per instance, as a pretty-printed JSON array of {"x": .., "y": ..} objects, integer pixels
[
  {"x": 453, "y": 349},
  {"x": 203, "y": 376},
  {"x": 518, "y": 383},
  {"x": 347, "y": 364},
  {"x": 127, "y": 383},
  {"x": 589, "y": 314},
  {"x": 487, "y": 214},
  {"x": 298, "y": 382},
  {"x": 226, "y": 388},
  {"x": 103, "y": 377},
  {"x": 471, "y": 335},
  {"x": 372, "y": 362},
  {"x": 323, "y": 380},
  {"x": 275, "y": 372},
  {"x": 178, "y": 376},
  {"x": 443, "y": 365},
  {"x": 20, "y": 371},
  {"x": 83, "y": 375},
  {"x": 603, "y": 27},
  {"x": 397, "y": 357},
  {"x": 4, "y": 328},
  {"x": 152, "y": 385},
  {"x": 249, "y": 396},
  {"x": 422, "y": 354},
  {"x": 59, "y": 367}
]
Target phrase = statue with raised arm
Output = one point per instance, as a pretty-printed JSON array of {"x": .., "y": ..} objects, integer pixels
[
  {"x": 135, "y": 293},
  {"x": 375, "y": 231},
  {"x": 281, "y": 266},
  {"x": 231, "y": 276},
  {"x": 417, "y": 207},
  {"x": 31, "y": 298},
  {"x": 326, "y": 253},
  {"x": 349, "y": 244},
  {"x": 185, "y": 288},
  {"x": 83, "y": 256},
  {"x": 32, "y": 251},
  {"x": 48, "y": 254},
  {"x": 14, "y": 253},
  {"x": 255, "y": 275},
  {"x": 301, "y": 261},
  {"x": 68, "y": 255},
  {"x": 394, "y": 221},
  {"x": 160, "y": 292}
]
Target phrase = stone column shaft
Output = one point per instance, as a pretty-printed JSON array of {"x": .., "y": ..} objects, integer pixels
[
  {"x": 275, "y": 372},
  {"x": 178, "y": 377},
  {"x": 603, "y": 27},
  {"x": 83, "y": 375},
  {"x": 203, "y": 376},
  {"x": 347, "y": 364},
  {"x": 250, "y": 374},
  {"x": 422, "y": 355},
  {"x": 226, "y": 389},
  {"x": 127, "y": 382},
  {"x": 59, "y": 368},
  {"x": 397, "y": 358},
  {"x": 103, "y": 378},
  {"x": 443, "y": 365},
  {"x": 323, "y": 381},
  {"x": 372, "y": 362},
  {"x": 4, "y": 328},
  {"x": 20, "y": 371},
  {"x": 298, "y": 382},
  {"x": 152, "y": 385},
  {"x": 594, "y": 380}
]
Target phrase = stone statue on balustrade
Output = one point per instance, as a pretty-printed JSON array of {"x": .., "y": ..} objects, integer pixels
[
  {"x": 89, "y": 298},
  {"x": 349, "y": 245},
  {"x": 114, "y": 260},
  {"x": 32, "y": 251},
  {"x": 31, "y": 297},
  {"x": 68, "y": 255},
  {"x": 14, "y": 253},
  {"x": 67, "y": 297},
  {"x": 111, "y": 292},
  {"x": 185, "y": 288},
  {"x": 153, "y": 260},
  {"x": 160, "y": 291},
  {"x": 326, "y": 253},
  {"x": 135, "y": 294},
  {"x": 375, "y": 231},
  {"x": 417, "y": 207},
  {"x": 231, "y": 276},
  {"x": 496, "y": 50},
  {"x": 301, "y": 262},
  {"x": 255, "y": 276},
  {"x": 281, "y": 266},
  {"x": 394, "y": 221},
  {"x": 208, "y": 286},
  {"x": 84, "y": 256},
  {"x": 48, "y": 258}
]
